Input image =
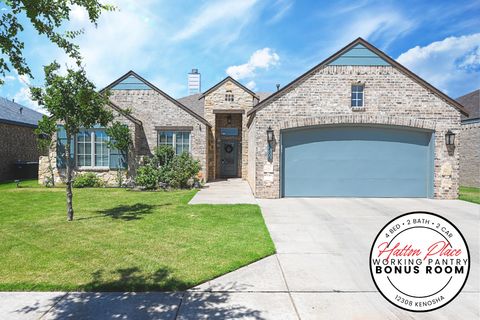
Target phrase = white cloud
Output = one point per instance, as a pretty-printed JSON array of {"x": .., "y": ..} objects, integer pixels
[
  {"x": 260, "y": 59},
  {"x": 24, "y": 98},
  {"x": 9, "y": 78},
  {"x": 281, "y": 7},
  {"x": 382, "y": 26},
  {"x": 251, "y": 85},
  {"x": 78, "y": 14},
  {"x": 216, "y": 15},
  {"x": 119, "y": 42},
  {"x": 452, "y": 63}
]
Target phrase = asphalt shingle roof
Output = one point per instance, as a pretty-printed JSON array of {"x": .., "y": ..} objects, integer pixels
[
  {"x": 14, "y": 113},
  {"x": 192, "y": 103},
  {"x": 471, "y": 102}
]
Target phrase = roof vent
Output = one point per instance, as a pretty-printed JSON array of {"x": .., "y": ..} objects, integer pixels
[
  {"x": 21, "y": 110},
  {"x": 278, "y": 86}
]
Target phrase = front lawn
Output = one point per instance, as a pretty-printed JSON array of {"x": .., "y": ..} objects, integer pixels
[
  {"x": 121, "y": 240},
  {"x": 470, "y": 194}
]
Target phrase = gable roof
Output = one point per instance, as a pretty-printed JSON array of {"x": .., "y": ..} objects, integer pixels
[
  {"x": 471, "y": 102},
  {"x": 131, "y": 74},
  {"x": 14, "y": 113},
  {"x": 225, "y": 80},
  {"x": 380, "y": 54}
]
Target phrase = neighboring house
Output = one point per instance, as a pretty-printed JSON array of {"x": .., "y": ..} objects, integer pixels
[
  {"x": 469, "y": 147},
  {"x": 358, "y": 124},
  {"x": 18, "y": 143}
]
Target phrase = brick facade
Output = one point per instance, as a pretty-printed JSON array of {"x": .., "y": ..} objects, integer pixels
[
  {"x": 323, "y": 97},
  {"x": 469, "y": 150},
  {"x": 17, "y": 142}
]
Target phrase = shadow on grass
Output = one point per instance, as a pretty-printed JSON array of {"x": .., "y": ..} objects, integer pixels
[
  {"x": 142, "y": 305},
  {"x": 127, "y": 212}
]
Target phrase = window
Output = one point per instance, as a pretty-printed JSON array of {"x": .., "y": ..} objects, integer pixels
[
  {"x": 229, "y": 131},
  {"x": 357, "y": 96},
  {"x": 229, "y": 96},
  {"x": 92, "y": 149},
  {"x": 179, "y": 140}
]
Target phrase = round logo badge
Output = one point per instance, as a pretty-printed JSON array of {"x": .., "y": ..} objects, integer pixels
[{"x": 419, "y": 261}]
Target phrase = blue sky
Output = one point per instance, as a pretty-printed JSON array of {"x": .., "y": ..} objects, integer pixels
[{"x": 262, "y": 43}]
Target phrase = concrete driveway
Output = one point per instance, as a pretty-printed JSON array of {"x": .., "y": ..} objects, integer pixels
[{"x": 323, "y": 247}]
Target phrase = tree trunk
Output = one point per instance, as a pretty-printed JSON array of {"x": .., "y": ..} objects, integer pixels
[
  {"x": 50, "y": 167},
  {"x": 69, "y": 179}
]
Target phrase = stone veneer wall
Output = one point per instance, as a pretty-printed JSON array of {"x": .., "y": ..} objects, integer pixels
[
  {"x": 391, "y": 98},
  {"x": 469, "y": 145},
  {"x": 153, "y": 110},
  {"x": 215, "y": 100},
  {"x": 16, "y": 143}
]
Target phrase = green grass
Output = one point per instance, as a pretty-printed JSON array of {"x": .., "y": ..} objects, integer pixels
[
  {"x": 470, "y": 194},
  {"x": 121, "y": 240}
]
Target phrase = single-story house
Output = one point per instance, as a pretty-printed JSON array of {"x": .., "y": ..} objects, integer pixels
[
  {"x": 358, "y": 124},
  {"x": 469, "y": 135},
  {"x": 18, "y": 143}
]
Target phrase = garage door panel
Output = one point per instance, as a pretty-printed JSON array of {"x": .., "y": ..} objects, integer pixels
[{"x": 357, "y": 161}]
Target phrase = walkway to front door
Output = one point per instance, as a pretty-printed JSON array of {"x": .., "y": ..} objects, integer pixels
[{"x": 230, "y": 191}]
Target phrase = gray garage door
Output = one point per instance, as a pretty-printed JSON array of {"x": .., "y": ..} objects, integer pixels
[{"x": 357, "y": 161}]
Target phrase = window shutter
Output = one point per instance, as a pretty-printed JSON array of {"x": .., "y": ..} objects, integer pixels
[
  {"x": 61, "y": 143},
  {"x": 117, "y": 159}
]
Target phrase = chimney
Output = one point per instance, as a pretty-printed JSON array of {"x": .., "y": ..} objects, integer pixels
[
  {"x": 194, "y": 82},
  {"x": 278, "y": 86}
]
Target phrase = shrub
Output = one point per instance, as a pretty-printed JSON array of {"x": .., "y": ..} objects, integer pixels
[
  {"x": 180, "y": 171},
  {"x": 147, "y": 176},
  {"x": 162, "y": 155},
  {"x": 87, "y": 180}
]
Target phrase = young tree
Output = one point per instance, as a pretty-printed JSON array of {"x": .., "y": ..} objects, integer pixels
[
  {"x": 72, "y": 100},
  {"x": 47, "y": 17},
  {"x": 45, "y": 131},
  {"x": 120, "y": 139}
]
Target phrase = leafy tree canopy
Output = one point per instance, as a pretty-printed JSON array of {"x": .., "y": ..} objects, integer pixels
[{"x": 47, "y": 17}]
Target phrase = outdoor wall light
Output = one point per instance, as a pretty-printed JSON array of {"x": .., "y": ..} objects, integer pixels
[
  {"x": 269, "y": 135},
  {"x": 229, "y": 119},
  {"x": 449, "y": 138}
]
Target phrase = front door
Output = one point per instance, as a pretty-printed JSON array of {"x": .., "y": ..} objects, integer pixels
[{"x": 228, "y": 159}]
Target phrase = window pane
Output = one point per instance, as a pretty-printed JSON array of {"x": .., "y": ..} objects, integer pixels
[
  {"x": 162, "y": 138},
  {"x": 101, "y": 149},
  {"x": 169, "y": 138},
  {"x": 229, "y": 131},
  {"x": 186, "y": 138},
  {"x": 179, "y": 149},
  {"x": 88, "y": 148}
]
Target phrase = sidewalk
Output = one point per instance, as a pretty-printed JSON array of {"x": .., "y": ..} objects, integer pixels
[{"x": 230, "y": 191}]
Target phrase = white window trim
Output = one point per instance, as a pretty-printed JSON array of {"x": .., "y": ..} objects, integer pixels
[
  {"x": 174, "y": 139},
  {"x": 357, "y": 92},
  {"x": 92, "y": 151}
]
